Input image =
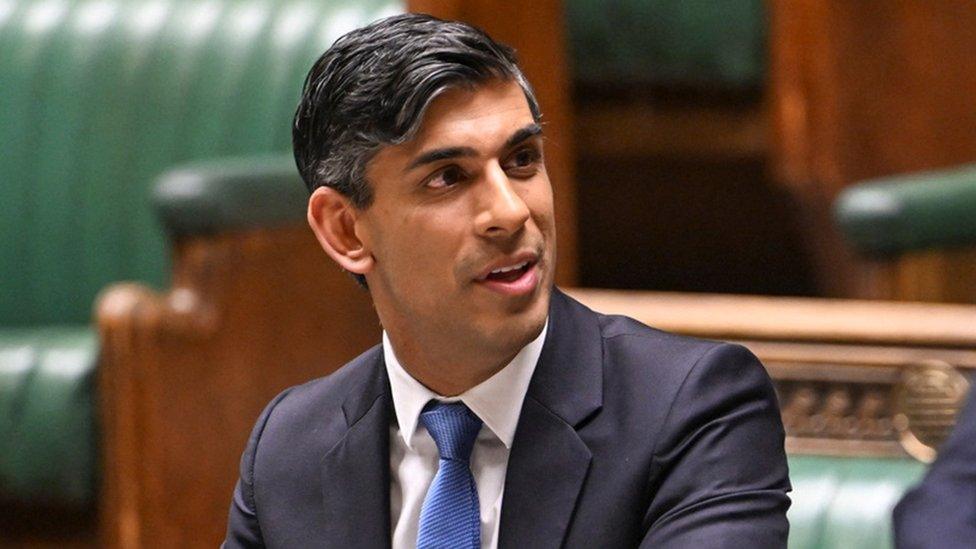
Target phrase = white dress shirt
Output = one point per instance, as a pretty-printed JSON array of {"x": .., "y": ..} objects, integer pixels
[{"x": 413, "y": 453}]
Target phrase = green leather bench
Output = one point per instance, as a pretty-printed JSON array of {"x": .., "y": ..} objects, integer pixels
[
  {"x": 47, "y": 440},
  {"x": 846, "y": 502}
]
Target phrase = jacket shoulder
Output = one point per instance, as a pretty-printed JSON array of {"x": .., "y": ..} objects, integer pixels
[
  {"x": 641, "y": 361},
  {"x": 316, "y": 406},
  {"x": 623, "y": 330}
]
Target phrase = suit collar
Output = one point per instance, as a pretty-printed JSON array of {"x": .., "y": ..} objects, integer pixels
[
  {"x": 370, "y": 384},
  {"x": 496, "y": 400},
  {"x": 547, "y": 465},
  {"x": 355, "y": 473},
  {"x": 569, "y": 378},
  {"x": 549, "y": 461}
]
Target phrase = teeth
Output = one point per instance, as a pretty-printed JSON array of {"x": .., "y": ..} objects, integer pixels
[{"x": 512, "y": 268}]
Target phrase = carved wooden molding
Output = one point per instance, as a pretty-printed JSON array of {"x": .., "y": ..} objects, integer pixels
[
  {"x": 867, "y": 401},
  {"x": 927, "y": 401}
]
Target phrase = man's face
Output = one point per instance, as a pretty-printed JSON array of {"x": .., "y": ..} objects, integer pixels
[{"x": 461, "y": 228}]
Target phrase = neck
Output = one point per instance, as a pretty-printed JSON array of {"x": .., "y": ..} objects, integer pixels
[{"x": 448, "y": 369}]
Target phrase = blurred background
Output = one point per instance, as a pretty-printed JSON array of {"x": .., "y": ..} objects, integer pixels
[{"x": 153, "y": 259}]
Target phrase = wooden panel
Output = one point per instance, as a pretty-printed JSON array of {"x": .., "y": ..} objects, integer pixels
[
  {"x": 859, "y": 90},
  {"x": 634, "y": 130},
  {"x": 689, "y": 224},
  {"x": 185, "y": 374},
  {"x": 797, "y": 319},
  {"x": 537, "y": 32},
  {"x": 948, "y": 276},
  {"x": 43, "y": 526}
]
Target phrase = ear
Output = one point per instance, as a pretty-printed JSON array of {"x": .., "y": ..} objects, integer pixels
[{"x": 333, "y": 220}]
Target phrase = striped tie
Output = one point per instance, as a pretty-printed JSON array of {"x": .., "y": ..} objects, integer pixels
[{"x": 450, "y": 516}]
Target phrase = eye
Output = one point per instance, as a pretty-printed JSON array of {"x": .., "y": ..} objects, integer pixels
[
  {"x": 444, "y": 178},
  {"x": 523, "y": 162}
]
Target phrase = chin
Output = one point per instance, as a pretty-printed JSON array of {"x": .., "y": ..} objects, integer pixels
[{"x": 517, "y": 329}]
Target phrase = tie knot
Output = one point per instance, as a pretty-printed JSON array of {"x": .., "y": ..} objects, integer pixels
[{"x": 453, "y": 427}]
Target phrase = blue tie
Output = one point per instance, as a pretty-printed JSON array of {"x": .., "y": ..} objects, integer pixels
[{"x": 451, "y": 516}]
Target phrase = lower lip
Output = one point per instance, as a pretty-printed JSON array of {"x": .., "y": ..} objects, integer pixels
[{"x": 520, "y": 286}]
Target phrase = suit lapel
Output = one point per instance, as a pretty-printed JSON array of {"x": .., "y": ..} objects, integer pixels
[
  {"x": 549, "y": 461},
  {"x": 356, "y": 471}
]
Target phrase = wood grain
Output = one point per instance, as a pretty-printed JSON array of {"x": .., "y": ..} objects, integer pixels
[
  {"x": 185, "y": 373},
  {"x": 860, "y": 90},
  {"x": 793, "y": 319}
]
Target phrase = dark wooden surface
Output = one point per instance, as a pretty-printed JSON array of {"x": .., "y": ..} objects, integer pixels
[
  {"x": 42, "y": 526},
  {"x": 690, "y": 224}
]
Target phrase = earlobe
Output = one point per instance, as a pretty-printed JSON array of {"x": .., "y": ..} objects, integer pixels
[{"x": 332, "y": 218}]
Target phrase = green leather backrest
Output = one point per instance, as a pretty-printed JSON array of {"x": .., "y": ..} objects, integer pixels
[
  {"x": 666, "y": 42},
  {"x": 841, "y": 503},
  {"x": 906, "y": 212},
  {"x": 47, "y": 417},
  {"x": 99, "y": 96}
]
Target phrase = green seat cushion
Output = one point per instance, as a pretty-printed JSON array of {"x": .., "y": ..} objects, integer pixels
[
  {"x": 666, "y": 42},
  {"x": 101, "y": 96},
  {"x": 47, "y": 417},
  {"x": 846, "y": 502},
  {"x": 894, "y": 215}
]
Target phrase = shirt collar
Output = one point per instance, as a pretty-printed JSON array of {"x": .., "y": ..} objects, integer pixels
[{"x": 496, "y": 400}]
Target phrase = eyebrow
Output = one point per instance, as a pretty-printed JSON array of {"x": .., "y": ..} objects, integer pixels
[
  {"x": 522, "y": 134},
  {"x": 441, "y": 154},
  {"x": 447, "y": 153}
]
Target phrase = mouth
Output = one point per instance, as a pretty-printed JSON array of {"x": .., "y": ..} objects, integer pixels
[{"x": 516, "y": 276}]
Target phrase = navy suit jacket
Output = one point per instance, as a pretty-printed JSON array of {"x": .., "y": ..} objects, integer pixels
[
  {"x": 628, "y": 436},
  {"x": 941, "y": 511}
]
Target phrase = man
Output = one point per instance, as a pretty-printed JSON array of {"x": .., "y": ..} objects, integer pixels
[
  {"x": 497, "y": 412},
  {"x": 941, "y": 511}
]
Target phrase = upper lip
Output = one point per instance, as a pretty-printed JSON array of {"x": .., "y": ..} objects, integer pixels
[{"x": 526, "y": 256}]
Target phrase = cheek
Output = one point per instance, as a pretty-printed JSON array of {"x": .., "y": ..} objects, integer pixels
[
  {"x": 430, "y": 242},
  {"x": 393, "y": 242},
  {"x": 540, "y": 202}
]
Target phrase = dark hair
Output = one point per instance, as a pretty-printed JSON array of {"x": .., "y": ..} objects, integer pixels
[{"x": 372, "y": 87}]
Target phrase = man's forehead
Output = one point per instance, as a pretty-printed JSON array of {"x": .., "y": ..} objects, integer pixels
[{"x": 497, "y": 106}]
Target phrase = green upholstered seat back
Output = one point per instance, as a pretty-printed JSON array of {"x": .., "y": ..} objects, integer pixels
[
  {"x": 846, "y": 502},
  {"x": 667, "y": 42},
  {"x": 47, "y": 416},
  {"x": 99, "y": 96},
  {"x": 893, "y": 215}
]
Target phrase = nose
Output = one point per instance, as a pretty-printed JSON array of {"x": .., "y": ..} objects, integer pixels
[{"x": 501, "y": 210}]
